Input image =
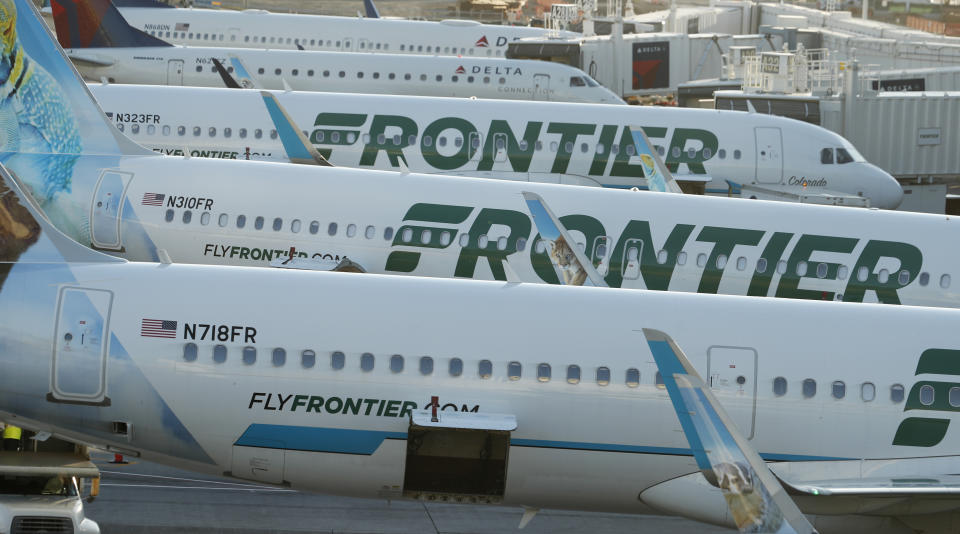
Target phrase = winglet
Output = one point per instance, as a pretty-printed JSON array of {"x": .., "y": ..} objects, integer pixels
[
  {"x": 244, "y": 77},
  {"x": 371, "y": 9},
  {"x": 227, "y": 78},
  {"x": 298, "y": 147},
  {"x": 572, "y": 265},
  {"x": 757, "y": 501},
  {"x": 658, "y": 176}
]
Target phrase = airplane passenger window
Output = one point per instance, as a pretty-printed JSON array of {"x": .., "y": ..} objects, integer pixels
[
  {"x": 883, "y": 276},
  {"x": 701, "y": 260},
  {"x": 246, "y": 38},
  {"x": 553, "y": 146},
  {"x": 392, "y": 76},
  {"x": 741, "y": 263},
  {"x": 633, "y": 377},
  {"x": 469, "y": 79},
  {"x": 402, "y": 47},
  {"x": 954, "y": 397},
  {"x": 924, "y": 279},
  {"x": 294, "y": 72},
  {"x": 568, "y": 147},
  {"x": 337, "y": 360},
  {"x": 260, "y": 70},
  {"x": 464, "y": 240},
  {"x": 388, "y": 233},
  {"x": 721, "y": 261},
  {"x": 661, "y": 256},
  {"x": 205, "y": 218},
  {"x": 868, "y": 392},
  {"x": 279, "y": 357},
  {"x": 862, "y": 273},
  {"x": 631, "y": 150},
  {"x": 273, "y": 134},
  {"x": 249, "y": 355},
  {"x": 502, "y": 243},
  {"x": 543, "y": 372},
  {"x": 396, "y": 139},
  {"x": 603, "y": 376},
  {"x": 485, "y": 369},
  {"x": 396, "y": 363},
  {"x": 227, "y": 132},
  {"x": 420, "y": 48},
  {"x": 423, "y": 77},
  {"x": 277, "y": 224},
  {"x": 187, "y": 216},
  {"x": 681, "y": 258},
  {"x": 782, "y": 267},
  {"x": 614, "y": 149},
  {"x": 425, "y": 237},
  {"x": 258, "y": 133},
  {"x": 826, "y": 156},
  {"x": 219, "y": 353},
  {"x": 843, "y": 156},
  {"x": 366, "y": 362},
  {"x": 904, "y": 277},
  {"x": 540, "y": 246},
  {"x": 360, "y": 74},
  {"x": 456, "y": 367},
  {"x": 896, "y": 393},
  {"x": 308, "y": 359},
  {"x": 406, "y": 76},
  {"x": 691, "y": 152},
  {"x": 821, "y": 270},
  {"x": 926, "y": 395},
  {"x": 482, "y": 241},
  {"x": 199, "y": 68},
  {"x": 839, "y": 389},
  {"x": 223, "y": 219},
  {"x": 243, "y": 133},
  {"x": 842, "y": 272},
  {"x": 326, "y": 74},
  {"x": 295, "y": 226},
  {"x": 196, "y": 131},
  {"x": 314, "y": 227},
  {"x": 707, "y": 153},
  {"x": 370, "y": 232},
  {"x": 584, "y": 147},
  {"x": 809, "y": 388},
  {"x": 166, "y": 129},
  {"x": 779, "y": 386},
  {"x": 135, "y": 129},
  {"x": 190, "y": 353},
  {"x": 801, "y": 268},
  {"x": 486, "y": 79},
  {"x": 442, "y": 141},
  {"x": 658, "y": 381},
  {"x": 945, "y": 281},
  {"x": 426, "y": 365},
  {"x": 241, "y": 221},
  {"x": 502, "y": 80},
  {"x": 454, "y": 78},
  {"x": 573, "y": 374},
  {"x": 521, "y": 244},
  {"x": 675, "y": 151},
  {"x": 514, "y": 370},
  {"x": 212, "y": 132},
  {"x": 310, "y": 73},
  {"x": 272, "y": 39},
  {"x": 258, "y": 222},
  {"x": 722, "y": 154}
]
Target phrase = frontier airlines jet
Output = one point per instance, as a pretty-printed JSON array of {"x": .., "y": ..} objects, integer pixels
[
  {"x": 105, "y": 191},
  {"x": 476, "y": 392},
  {"x": 733, "y": 152}
]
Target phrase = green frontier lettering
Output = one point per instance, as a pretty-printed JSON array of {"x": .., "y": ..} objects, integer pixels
[
  {"x": 519, "y": 225},
  {"x": 500, "y": 137},
  {"x": 431, "y": 138},
  {"x": 379, "y": 140},
  {"x": 724, "y": 240},
  {"x": 402, "y": 261},
  {"x": 592, "y": 230},
  {"x": 910, "y": 259},
  {"x": 637, "y": 235},
  {"x": 930, "y": 395},
  {"x": 807, "y": 245},
  {"x": 568, "y": 141}
]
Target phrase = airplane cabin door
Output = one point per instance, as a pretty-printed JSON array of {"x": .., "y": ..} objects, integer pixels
[
  {"x": 106, "y": 212},
  {"x": 769, "y": 155},
  {"x": 630, "y": 262},
  {"x": 79, "y": 370},
  {"x": 500, "y": 147},
  {"x": 732, "y": 376},
  {"x": 175, "y": 72},
  {"x": 541, "y": 87}
]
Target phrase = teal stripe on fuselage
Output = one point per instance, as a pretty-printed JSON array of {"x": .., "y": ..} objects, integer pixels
[{"x": 366, "y": 442}]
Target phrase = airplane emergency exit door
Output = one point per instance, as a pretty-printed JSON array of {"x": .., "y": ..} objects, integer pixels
[
  {"x": 732, "y": 376},
  {"x": 175, "y": 72},
  {"x": 81, "y": 338},
  {"x": 541, "y": 87},
  {"x": 106, "y": 213}
]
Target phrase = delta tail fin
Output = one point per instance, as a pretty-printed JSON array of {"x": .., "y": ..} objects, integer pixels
[
  {"x": 371, "y": 9},
  {"x": 658, "y": 176},
  {"x": 757, "y": 501},
  {"x": 295, "y": 142},
  {"x": 96, "y": 24},
  {"x": 571, "y": 264}
]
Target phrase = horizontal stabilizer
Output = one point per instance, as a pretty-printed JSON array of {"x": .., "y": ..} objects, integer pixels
[
  {"x": 757, "y": 502},
  {"x": 901, "y": 486},
  {"x": 91, "y": 60}
]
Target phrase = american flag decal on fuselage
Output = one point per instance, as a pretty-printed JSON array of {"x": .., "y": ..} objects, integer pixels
[
  {"x": 158, "y": 328},
  {"x": 153, "y": 199}
]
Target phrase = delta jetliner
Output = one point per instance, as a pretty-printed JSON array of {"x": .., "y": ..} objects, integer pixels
[
  {"x": 381, "y": 396},
  {"x": 539, "y": 142},
  {"x": 104, "y": 190},
  {"x": 122, "y": 54},
  {"x": 256, "y": 28}
]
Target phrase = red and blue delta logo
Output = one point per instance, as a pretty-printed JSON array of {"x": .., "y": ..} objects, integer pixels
[
  {"x": 460, "y": 70},
  {"x": 482, "y": 42}
]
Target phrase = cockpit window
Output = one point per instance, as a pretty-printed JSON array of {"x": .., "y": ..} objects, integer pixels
[
  {"x": 576, "y": 81},
  {"x": 843, "y": 156},
  {"x": 826, "y": 156},
  {"x": 591, "y": 82}
]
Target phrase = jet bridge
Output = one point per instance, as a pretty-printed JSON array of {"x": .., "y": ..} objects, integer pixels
[{"x": 457, "y": 456}]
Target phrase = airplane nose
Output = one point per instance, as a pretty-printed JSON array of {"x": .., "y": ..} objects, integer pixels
[{"x": 889, "y": 192}]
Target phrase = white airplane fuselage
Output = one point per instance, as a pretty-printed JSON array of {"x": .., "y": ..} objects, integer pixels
[
  {"x": 538, "y": 142},
  {"x": 499, "y": 78},
  {"x": 283, "y": 31}
]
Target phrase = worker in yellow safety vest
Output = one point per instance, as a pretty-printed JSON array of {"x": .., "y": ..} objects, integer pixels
[{"x": 11, "y": 438}]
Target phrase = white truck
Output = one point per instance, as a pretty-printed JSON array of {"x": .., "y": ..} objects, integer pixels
[{"x": 41, "y": 492}]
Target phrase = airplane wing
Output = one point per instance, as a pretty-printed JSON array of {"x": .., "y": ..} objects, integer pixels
[
  {"x": 657, "y": 174},
  {"x": 758, "y": 503},
  {"x": 572, "y": 265},
  {"x": 792, "y": 194},
  {"x": 92, "y": 60},
  {"x": 295, "y": 142},
  {"x": 905, "y": 486}
]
